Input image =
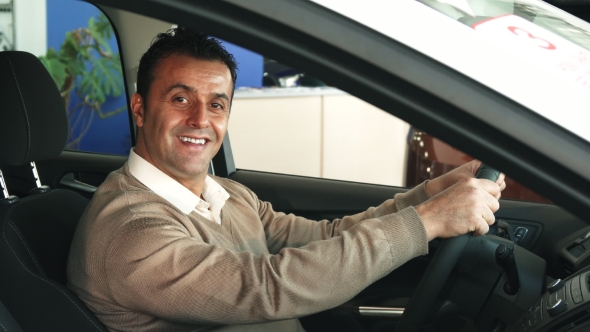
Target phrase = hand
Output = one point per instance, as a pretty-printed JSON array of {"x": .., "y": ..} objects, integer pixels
[
  {"x": 466, "y": 206},
  {"x": 464, "y": 171}
]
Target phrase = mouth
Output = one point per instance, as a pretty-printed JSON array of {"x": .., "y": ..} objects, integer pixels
[{"x": 198, "y": 141}]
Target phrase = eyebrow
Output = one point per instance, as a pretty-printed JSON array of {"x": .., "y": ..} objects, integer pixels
[
  {"x": 191, "y": 89},
  {"x": 178, "y": 86},
  {"x": 222, "y": 96}
]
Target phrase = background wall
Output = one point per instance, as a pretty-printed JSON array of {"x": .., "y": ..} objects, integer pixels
[
  {"x": 311, "y": 134},
  {"x": 322, "y": 133}
]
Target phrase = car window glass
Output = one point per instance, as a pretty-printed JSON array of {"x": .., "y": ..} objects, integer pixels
[
  {"x": 287, "y": 121},
  {"x": 76, "y": 43}
]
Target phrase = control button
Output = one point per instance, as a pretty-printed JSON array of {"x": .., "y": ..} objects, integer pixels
[
  {"x": 583, "y": 238},
  {"x": 555, "y": 297},
  {"x": 555, "y": 286},
  {"x": 520, "y": 233},
  {"x": 576, "y": 292},
  {"x": 561, "y": 294},
  {"x": 577, "y": 295},
  {"x": 559, "y": 307},
  {"x": 576, "y": 283},
  {"x": 538, "y": 307}
]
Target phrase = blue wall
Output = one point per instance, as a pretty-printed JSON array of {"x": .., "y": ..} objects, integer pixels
[
  {"x": 250, "y": 66},
  {"x": 112, "y": 135}
]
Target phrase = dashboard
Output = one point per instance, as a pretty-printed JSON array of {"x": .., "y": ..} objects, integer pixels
[{"x": 565, "y": 306}]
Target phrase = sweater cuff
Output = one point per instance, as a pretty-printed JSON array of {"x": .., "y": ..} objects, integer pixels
[
  {"x": 405, "y": 234},
  {"x": 412, "y": 197}
]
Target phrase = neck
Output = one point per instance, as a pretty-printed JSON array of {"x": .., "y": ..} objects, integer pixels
[{"x": 195, "y": 184}]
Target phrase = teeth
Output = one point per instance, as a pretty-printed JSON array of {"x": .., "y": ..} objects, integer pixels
[{"x": 193, "y": 140}]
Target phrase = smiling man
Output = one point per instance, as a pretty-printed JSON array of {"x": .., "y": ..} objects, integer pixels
[
  {"x": 185, "y": 111},
  {"x": 165, "y": 247}
]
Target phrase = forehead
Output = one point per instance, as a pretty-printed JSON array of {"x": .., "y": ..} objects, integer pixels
[{"x": 193, "y": 72}]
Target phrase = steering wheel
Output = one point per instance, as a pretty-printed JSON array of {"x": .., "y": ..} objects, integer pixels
[{"x": 438, "y": 271}]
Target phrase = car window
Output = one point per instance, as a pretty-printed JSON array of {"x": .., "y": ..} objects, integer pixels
[
  {"x": 76, "y": 43},
  {"x": 311, "y": 129},
  {"x": 317, "y": 131}
]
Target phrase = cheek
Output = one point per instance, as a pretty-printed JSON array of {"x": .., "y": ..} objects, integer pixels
[
  {"x": 162, "y": 122},
  {"x": 220, "y": 125}
]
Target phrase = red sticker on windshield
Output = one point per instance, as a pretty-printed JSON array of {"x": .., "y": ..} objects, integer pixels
[{"x": 540, "y": 46}]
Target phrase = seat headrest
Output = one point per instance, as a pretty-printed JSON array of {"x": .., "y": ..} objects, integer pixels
[{"x": 33, "y": 120}]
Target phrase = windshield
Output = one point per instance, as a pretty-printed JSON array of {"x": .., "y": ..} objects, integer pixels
[
  {"x": 555, "y": 41},
  {"x": 527, "y": 50}
]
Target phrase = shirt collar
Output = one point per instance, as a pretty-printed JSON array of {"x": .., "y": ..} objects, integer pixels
[{"x": 170, "y": 189}]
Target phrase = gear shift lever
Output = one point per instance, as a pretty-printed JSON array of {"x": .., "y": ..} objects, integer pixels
[{"x": 505, "y": 258}]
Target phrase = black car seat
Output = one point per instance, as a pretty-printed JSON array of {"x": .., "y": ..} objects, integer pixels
[
  {"x": 7, "y": 322},
  {"x": 36, "y": 231}
]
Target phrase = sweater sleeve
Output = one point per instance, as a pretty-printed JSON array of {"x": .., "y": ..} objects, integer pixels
[
  {"x": 287, "y": 230},
  {"x": 155, "y": 267}
]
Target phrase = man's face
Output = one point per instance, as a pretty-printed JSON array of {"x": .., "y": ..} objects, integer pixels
[{"x": 184, "y": 119}]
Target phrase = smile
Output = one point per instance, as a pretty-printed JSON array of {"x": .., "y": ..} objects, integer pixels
[{"x": 192, "y": 140}]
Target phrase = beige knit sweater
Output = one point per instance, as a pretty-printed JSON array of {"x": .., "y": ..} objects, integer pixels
[{"x": 142, "y": 265}]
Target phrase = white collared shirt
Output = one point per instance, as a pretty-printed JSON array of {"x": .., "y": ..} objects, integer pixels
[{"x": 214, "y": 196}]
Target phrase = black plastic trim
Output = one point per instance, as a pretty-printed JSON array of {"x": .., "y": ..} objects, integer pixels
[{"x": 223, "y": 162}]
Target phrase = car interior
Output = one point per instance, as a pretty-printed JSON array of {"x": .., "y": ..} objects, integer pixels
[
  {"x": 37, "y": 230},
  {"x": 509, "y": 280}
]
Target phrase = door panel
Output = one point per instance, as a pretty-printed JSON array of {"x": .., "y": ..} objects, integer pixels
[
  {"x": 547, "y": 227},
  {"x": 314, "y": 198},
  {"x": 78, "y": 171}
]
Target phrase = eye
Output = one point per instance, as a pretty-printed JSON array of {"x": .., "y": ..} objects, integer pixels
[
  {"x": 181, "y": 99},
  {"x": 217, "y": 105}
]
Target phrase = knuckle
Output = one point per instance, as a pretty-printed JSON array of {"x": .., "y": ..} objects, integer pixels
[{"x": 492, "y": 220}]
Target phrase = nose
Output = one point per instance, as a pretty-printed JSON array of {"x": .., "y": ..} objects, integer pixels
[{"x": 198, "y": 117}]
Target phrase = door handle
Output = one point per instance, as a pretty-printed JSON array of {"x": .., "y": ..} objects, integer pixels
[
  {"x": 70, "y": 182},
  {"x": 389, "y": 312}
]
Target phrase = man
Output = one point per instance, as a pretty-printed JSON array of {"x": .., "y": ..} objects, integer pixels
[{"x": 165, "y": 247}]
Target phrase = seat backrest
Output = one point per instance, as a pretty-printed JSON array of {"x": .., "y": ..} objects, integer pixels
[
  {"x": 36, "y": 231},
  {"x": 7, "y": 322}
]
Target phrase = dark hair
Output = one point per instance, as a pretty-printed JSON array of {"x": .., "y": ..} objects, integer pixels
[{"x": 181, "y": 41}]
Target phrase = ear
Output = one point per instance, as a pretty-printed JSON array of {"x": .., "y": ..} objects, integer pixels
[{"x": 138, "y": 109}]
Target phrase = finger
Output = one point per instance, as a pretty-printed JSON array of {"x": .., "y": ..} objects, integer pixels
[
  {"x": 501, "y": 181},
  {"x": 491, "y": 187},
  {"x": 473, "y": 166},
  {"x": 493, "y": 204},
  {"x": 492, "y": 199},
  {"x": 482, "y": 229},
  {"x": 489, "y": 217}
]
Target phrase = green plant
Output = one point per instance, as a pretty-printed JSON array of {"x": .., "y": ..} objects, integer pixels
[{"x": 85, "y": 65}]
